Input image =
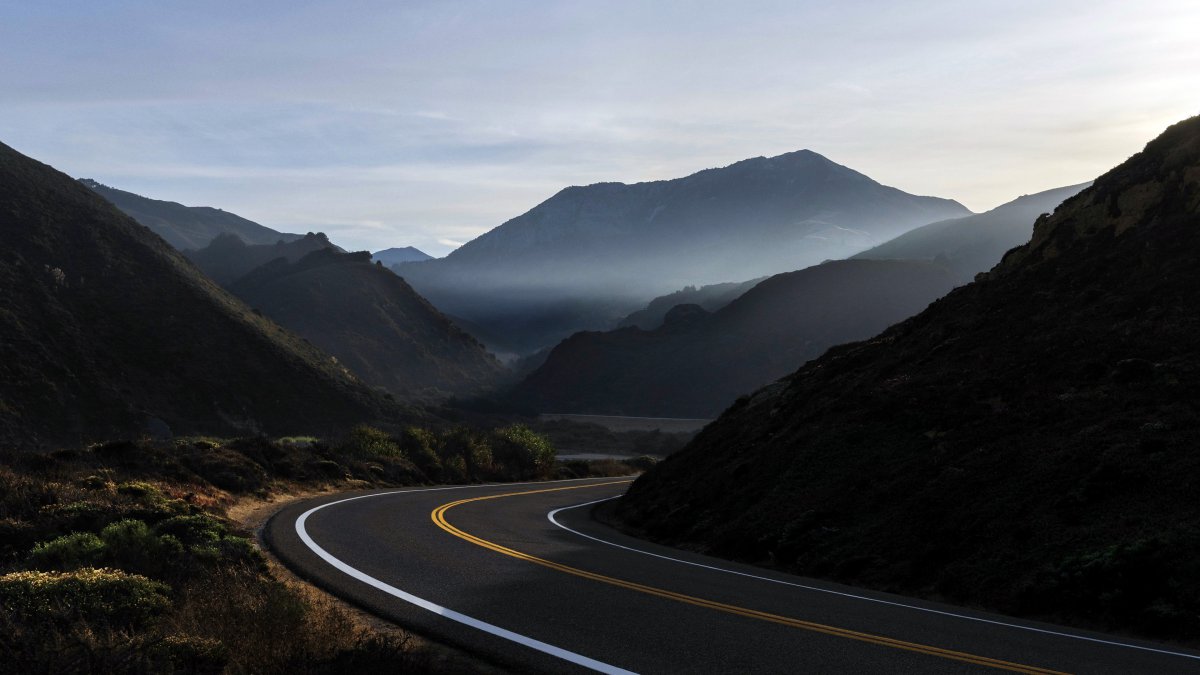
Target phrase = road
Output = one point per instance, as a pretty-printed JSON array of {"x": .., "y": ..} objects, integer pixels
[{"x": 521, "y": 574}]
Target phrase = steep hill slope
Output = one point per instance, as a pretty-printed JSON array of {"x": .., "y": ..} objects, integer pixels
[
  {"x": 697, "y": 363},
  {"x": 104, "y": 327},
  {"x": 974, "y": 244},
  {"x": 589, "y": 255},
  {"x": 186, "y": 227},
  {"x": 1026, "y": 443},
  {"x": 372, "y": 321}
]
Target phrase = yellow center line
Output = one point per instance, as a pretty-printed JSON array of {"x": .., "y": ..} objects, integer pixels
[{"x": 439, "y": 518}]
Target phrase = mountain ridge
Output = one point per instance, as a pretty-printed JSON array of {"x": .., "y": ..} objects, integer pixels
[
  {"x": 1024, "y": 444},
  {"x": 186, "y": 227},
  {"x": 589, "y": 255},
  {"x": 107, "y": 329},
  {"x": 696, "y": 363},
  {"x": 975, "y": 243}
]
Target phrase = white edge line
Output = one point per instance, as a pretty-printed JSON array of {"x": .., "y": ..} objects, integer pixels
[
  {"x": 552, "y": 514},
  {"x": 540, "y": 646}
]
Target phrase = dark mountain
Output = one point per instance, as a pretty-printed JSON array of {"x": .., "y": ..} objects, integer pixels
[
  {"x": 228, "y": 258},
  {"x": 1027, "y": 443},
  {"x": 711, "y": 297},
  {"x": 105, "y": 328},
  {"x": 589, "y": 255},
  {"x": 372, "y": 321},
  {"x": 698, "y": 362},
  {"x": 974, "y": 244},
  {"x": 186, "y": 227},
  {"x": 395, "y": 256}
]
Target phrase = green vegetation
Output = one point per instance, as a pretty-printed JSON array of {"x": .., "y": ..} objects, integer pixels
[{"x": 120, "y": 557}]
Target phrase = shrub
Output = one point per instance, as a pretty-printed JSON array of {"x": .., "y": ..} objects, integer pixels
[
  {"x": 141, "y": 491},
  {"x": 72, "y": 551},
  {"x": 132, "y": 545},
  {"x": 368, "y": 441},
  {"x": 192, "y": 654},
  {"x": 420, "y": 445},
  {"x": 454, "y": 469},
  {"x": 103, "y": 597},
  {"x": 192, "y": 530},
  {"x": 129, "y": 544},
  {"x": 522, "y": 453}
]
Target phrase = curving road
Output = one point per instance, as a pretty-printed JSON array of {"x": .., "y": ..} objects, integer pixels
[{"x": 521, "y": 573}]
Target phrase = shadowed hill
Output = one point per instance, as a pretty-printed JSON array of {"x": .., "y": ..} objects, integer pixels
[
  {"x": 697, "y": 363},
  {"x": 589, "y": 255},
  {"x": 372, "y": 321},
  {"x": 1027, "y": 443},
  {"x": 104, "y": 327},
  {"x": 186, "y": 227},
  {"x": 711, "y": 297},
  {"x": 228, "y": 258},
  {"x": 973, "y": 244}
]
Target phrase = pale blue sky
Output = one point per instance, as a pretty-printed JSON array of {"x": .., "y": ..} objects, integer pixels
[{"x": 428, "y": 123}]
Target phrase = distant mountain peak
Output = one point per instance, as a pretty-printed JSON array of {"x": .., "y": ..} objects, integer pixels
[{"x": 398, "y": 255}]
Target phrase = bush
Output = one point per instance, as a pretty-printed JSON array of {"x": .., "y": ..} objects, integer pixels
[
  {"x": 140, "y": 490},
  {"x": 103, "y": 597},
  {"x": 131, "y": 545},
  {"x": 368, "y": 441},
  {"x": 193, "y": 530},
  {"x": 69, "y": 552},
  {"x": 522, "y": 453},
  {"x": 194, "y": 655},
  {"x": 420, "y": 445}
]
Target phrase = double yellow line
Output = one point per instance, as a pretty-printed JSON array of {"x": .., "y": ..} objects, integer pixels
[{"x": 439, "y": 518}]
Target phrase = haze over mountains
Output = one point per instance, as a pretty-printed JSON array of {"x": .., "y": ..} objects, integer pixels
[
  {"x": 106, "y": 330},
  {"x": 697, "y": 362},
  {"x": 186, "y": 227},
  {"x": 1026, "y": 443},
  {"x": 710, "y": 297},
  {"x": 590, "y": 255},
  {"x": 973, "y": 244}
]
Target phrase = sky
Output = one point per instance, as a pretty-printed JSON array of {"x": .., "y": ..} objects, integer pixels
[{"x": 428, "y": 123}]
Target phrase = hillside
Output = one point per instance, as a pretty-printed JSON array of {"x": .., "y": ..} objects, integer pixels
[
  {"x": 228, "y": 258},
  {"x": 186, "y": 227},
  {"x": 590, "y": 255},
  {"x": 973, "y": 244},
  {"x": 1025, "y": 444},
  {"x": 697, "y": 362},
  {"x": 395, "y": 256},
  {"x": 711, "y": 298},
  {"x": 372, "y": 321},
  {"x": 106, "y": 330}
]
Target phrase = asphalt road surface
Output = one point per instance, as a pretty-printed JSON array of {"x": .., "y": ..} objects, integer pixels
[{"x": 521, "y": 574}]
